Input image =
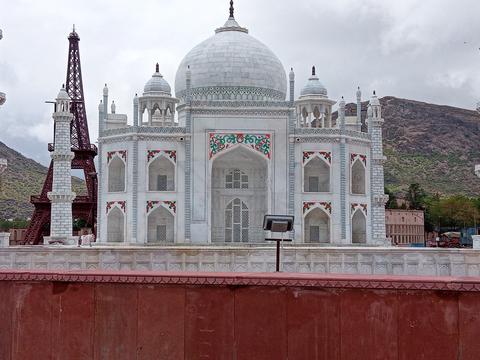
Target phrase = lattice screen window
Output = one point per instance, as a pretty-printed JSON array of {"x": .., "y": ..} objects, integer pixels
[
  {"x": 162, "y": 233},
  {"x": 162, "y": 183},
  {"x": 236, "y": 221},
  {"x": 314, "y": 233},
  {"x": 236, "y": 179},
  {"x": 313, "y": 182}
]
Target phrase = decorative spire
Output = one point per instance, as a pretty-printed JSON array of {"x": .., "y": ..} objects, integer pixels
[
  {"x": 157, "y": 68},
  {"x": 231, "y": 10}
]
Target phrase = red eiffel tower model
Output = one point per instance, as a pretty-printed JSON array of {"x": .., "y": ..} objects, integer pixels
[{"x": 83, "y": 207}]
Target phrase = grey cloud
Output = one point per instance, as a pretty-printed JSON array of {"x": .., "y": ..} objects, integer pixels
[{"x": 408, "y": 49}]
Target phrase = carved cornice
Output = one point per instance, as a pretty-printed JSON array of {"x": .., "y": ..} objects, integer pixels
[
  {"x": 245, "y": 93},
  {"x": 132, "y": 130},
  {"x": 382, "y": 282}
]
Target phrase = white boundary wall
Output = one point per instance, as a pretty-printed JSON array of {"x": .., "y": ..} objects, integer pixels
[{"x": 303, "y": 259}]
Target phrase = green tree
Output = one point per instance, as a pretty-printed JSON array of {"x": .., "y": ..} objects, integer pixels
[
  {"x": 416, "y": 197},
  {"x": 392, "y": 199}
]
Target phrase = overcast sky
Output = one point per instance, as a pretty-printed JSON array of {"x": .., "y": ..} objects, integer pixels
[{"x": 424, "y": 50}]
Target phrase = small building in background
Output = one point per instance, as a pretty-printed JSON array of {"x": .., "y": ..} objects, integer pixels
[{"x": 405, "y": 227}]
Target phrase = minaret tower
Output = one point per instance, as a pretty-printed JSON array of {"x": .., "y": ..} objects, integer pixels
[
  {"x": 62, "y": 195},
  {"x": 359, "y": 110},
  {"x": 379, "y": 199}
]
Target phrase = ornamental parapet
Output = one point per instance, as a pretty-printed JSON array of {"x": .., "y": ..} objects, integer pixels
[
  {"x": 60, "y": 156},
  {"x": 58, "y": 197},
  {"x": 173, "y": 130},
  {"x": 380, "y": 200},
  {"x": 238, "y": 93}
]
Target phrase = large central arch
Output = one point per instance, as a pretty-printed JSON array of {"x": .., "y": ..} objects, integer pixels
[{"x": 240, "y": 173}]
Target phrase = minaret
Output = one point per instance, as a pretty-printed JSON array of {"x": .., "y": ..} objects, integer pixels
[
  {"x": 105, "y": 105},
  {"x": 359, "y": 109},
  {"x": 379, "y": 199},
  {"x": 62, "y": 195},
  {"x": 343, "y": 172},
  {"x": 292, "y": 86},
  {"x": 135, "y": 110}
]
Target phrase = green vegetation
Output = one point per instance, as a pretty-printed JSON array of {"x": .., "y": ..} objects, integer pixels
[
  {"x": 456, "y": 211},
  {"x": 6, "y": 225}
]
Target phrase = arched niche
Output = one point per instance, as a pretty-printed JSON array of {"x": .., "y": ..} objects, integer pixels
[
  {"x": 316, "y": 176},
  {"x": 161, "y": 175},
  {"x": 358, "y": 177},
  {"x": 115, "y": 226},
  {"x": 160, "y": 226},
  {"x": 359, "y": 227},
  {"x": 249, "y": 171},
  {"x": 116, "y": 175},
  {"x": 316, "y": 227}
]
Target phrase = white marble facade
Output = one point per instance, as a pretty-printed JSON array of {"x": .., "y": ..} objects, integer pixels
[{"x": 206, "y": 166}]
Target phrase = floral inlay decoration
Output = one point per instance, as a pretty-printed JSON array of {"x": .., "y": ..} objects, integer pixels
[
  {"x": 363, "y": 158},
  {"x": 326, "y": 155},
  {"x": 172, "y": 154},
  {"x": 356, "y": 206},
  {"x": 169, "y": 205},
  {"x": 307, "y": 205},
  {"x": 121, "y": 153},
  {"x": 111, "y": 204},
  {"x": 258, "y": 142}
]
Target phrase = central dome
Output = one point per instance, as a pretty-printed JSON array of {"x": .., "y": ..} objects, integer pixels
[{"x": 232, "y": 65}]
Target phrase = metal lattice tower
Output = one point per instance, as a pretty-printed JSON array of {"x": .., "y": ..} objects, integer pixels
[{"x": 83, "y": 207}]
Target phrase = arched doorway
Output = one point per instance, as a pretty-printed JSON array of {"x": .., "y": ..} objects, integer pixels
[
  {"x": 317, "y": 227},
  {"x": 359, "y": 227},
  {"x": 238, "y": 181},
  {"x": 160, "y": 226}
]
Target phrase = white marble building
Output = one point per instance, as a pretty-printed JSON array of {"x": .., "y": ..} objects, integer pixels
[{"x": 205, "y": 166}]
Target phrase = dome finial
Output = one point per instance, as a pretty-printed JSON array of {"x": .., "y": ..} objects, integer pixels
[
  {"x": 313, "y": 70},
  {"x": 231, "y": 9},
  {"x": 157, "y": 68}
]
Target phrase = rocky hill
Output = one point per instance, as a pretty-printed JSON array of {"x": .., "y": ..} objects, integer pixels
[
  {"x": 433, "y": 145},
  {"x": 22, "y": 178}
]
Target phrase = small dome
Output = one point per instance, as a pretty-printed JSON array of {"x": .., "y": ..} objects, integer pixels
[
  {"x": 314, "y": 86},
  {"x": 374, "y": 100},
  {"x": 62, "y": 94},
  {"x": 157, "y": 84}
]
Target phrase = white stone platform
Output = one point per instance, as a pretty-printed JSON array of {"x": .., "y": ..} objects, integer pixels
[{"x": 303, "y": 259}]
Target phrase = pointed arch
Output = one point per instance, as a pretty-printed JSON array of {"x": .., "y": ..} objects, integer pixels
[
  {"x": 248, "y": 184},
  {"x": 115, "y": 225},
  {"x": 160, "y": 226},
  {"x": 161, "y": 174},
  {"x": 316, "y": 175},
  {"x": 359, "y": 227},
  {"x": 358, "y": 177},
  {"x": 316, "y": 226},
  {"x": 116, "y": 174}
]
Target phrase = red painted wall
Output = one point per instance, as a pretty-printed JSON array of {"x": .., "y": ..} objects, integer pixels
[{"x": 129, "y": 316}]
